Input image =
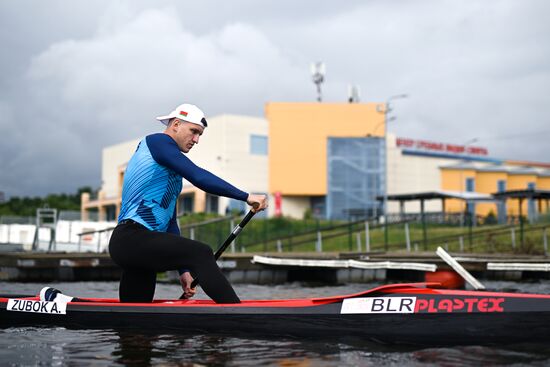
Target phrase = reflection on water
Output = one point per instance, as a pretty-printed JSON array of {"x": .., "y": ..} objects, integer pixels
[{"x": 61, "y": 346}]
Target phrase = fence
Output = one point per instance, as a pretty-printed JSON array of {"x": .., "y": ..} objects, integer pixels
[{"x": 403, "y": 232}]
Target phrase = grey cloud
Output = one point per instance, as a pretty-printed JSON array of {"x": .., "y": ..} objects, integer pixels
[{"x": 89, "y": 75}]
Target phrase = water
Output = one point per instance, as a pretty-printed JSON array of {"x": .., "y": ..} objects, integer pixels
[{"x": 57, "y": 346}]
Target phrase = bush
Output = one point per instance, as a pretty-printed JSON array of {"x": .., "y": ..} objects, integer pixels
[{"x": 490, "y": 218}]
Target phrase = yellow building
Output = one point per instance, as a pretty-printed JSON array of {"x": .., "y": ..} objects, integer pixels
[
  {"x": 298, "y": 139},
  {"x": 490, "y": 178}
]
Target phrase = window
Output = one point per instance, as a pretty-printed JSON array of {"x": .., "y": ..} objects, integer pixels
[
  {"x": 258, "y": 144},
  {"x": 212, "y": 203},
  {"x": 470, "y": 184},
  {"x": 185, "y": 204},
  {"x": 501, "y": 185}
]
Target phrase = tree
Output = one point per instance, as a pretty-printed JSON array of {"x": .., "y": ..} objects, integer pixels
[{"x": 26, "y": 206}]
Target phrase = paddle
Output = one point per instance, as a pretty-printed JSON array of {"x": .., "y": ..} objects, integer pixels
[{"x": 227, "y": 242}]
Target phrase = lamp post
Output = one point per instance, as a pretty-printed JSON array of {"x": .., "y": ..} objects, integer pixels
[{"x": 387, "y": 110}]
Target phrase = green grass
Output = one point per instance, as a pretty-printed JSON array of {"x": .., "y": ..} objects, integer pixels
[{"x": 262, "y": 235}]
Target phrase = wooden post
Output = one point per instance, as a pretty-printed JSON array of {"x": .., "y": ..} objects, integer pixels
[
  {"x": 350, "y": 241},
  {"x": 98, "y": 234},
  {"x": 319, "y": 244},
  {"x": 520, "y": 223},
  {"x": 407, "y": 237},
  {"x": 545, "y": 241},
  {"x": 424, "y": 232},
  {"x": 470, "y": 231},
  {"x": 367, "y": 237}
]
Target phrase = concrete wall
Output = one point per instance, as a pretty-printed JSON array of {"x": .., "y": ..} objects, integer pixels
[
  {"x": 293, "y": 206},
  {"x": 224, "y": 149},
  {"x": 410, "y": 174}
]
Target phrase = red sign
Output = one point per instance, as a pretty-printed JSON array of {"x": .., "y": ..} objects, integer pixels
[
  {"x": 441, "y": 147},
  {"x": 278, "y": 201},
  {"x": 459, "y": 305}
]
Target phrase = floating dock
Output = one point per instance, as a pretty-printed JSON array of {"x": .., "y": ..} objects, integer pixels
[{"x": 276, "y": 268}]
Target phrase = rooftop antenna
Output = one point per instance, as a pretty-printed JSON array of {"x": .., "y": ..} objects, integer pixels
[
  {"x": 318, "y": 76},
  {"x": 353, "y": 94}
]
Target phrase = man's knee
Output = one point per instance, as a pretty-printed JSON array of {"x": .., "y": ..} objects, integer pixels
[{"x": 203, "y": 250}]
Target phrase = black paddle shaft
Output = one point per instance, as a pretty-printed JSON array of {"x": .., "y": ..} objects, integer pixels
[{"x": 234, "y": 233}]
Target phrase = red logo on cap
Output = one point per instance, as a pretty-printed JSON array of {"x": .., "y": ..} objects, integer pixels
[{"x": 183, "y": 113}]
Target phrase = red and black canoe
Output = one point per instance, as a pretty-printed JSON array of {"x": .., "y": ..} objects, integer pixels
[{"x": 398, "y": 313}]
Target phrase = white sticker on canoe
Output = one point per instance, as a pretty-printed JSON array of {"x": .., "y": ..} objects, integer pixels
[
  {"x": 379, "y": 305},
  {"x": 26, "y": 305}
]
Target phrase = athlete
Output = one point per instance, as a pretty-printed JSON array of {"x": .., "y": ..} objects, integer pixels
[{"x": 147, "y": 238}]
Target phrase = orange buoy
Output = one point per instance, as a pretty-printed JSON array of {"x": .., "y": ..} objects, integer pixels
[{"x": 447, "y": 278}]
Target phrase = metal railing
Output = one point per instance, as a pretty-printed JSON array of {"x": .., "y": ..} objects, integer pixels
[{"x": 406, "y": 232}]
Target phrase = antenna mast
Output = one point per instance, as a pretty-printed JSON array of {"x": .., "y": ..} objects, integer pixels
[{"x": 318, "y": 76}]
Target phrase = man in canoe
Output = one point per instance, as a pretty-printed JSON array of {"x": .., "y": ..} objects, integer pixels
[{"x": 147, "y": 238}]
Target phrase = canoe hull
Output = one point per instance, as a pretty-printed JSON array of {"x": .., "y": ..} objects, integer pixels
[{"x": 390, "y": 315}]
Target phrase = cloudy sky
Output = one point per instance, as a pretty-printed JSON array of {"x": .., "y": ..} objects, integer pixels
[{"x": 77, "y": 76}]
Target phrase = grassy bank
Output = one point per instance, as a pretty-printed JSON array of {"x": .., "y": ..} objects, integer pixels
[{"x": 286, "y": 234}]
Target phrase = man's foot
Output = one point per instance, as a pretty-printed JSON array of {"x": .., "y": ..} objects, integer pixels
[{"x": 53, "y": 295}]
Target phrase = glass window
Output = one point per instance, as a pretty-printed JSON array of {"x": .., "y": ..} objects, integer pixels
[
  {"x": 355, "y": 177},
  {"x": 212, "y": 203},
  {"x": 501, "y": 185},
  {"x": 258, "y": 144},
  {"x": 470, "y": 184},
  {"x": 185, "y": 204}
]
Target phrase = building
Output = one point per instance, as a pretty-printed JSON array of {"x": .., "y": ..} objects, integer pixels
[
  {"x": 414, "y": 167},
  {"x": 330, "y": 160},
  {"x": 233, "y": 147},
  {"x": 316, "y": 150},
  {"x": 490, "y": 178}
]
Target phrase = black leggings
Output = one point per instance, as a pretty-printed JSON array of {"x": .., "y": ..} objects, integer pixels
[{"x": 142, "y": 253}]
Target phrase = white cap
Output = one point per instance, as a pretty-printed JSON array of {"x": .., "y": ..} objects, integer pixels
[{"x": 185, "y": 112}]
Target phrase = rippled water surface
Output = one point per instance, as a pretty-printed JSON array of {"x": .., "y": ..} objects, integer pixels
[{"x": 29, "y": 346}]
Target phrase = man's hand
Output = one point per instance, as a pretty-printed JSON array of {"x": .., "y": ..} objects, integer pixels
[
  {"x": 186, "y": 279},
  {"x": 257, "y": 202}
]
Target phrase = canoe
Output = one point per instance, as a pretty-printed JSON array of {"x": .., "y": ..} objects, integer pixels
[{"x": 398, "y": 313}]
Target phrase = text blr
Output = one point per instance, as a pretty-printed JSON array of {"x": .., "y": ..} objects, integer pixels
[
  {"x": 421, "y": 305},
  {"x": 486, "y": 304}
]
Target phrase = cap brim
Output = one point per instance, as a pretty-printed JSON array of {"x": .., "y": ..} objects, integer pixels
[{"x": 164, "y": 119}]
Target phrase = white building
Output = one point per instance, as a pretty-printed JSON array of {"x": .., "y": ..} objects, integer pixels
[{"x": 232, "y": 147}]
